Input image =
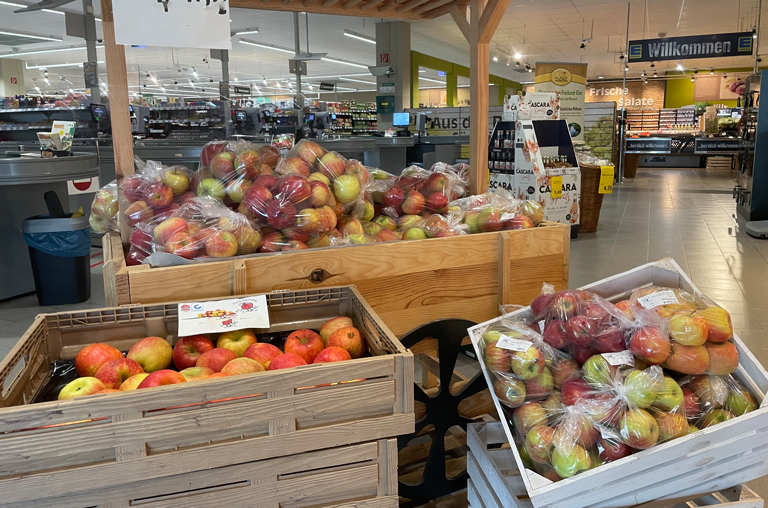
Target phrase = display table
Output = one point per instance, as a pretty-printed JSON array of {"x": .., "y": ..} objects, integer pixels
[{"x": 24, "y": 179}]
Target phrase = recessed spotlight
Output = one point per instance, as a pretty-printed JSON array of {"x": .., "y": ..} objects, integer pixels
[
  {"x": 517, "y": 56},
  {"x": 711, "y": 71},
  {"x": 655, "y": 75},
  {"x": 754, "y": 33},
  {"x": 692, "y": 80},
  {"x": 680, "y": 66},
  {"x": 626, "y": 67},
  {"x": 599, "y": 77},
  {"x": 653, "y": 65}
]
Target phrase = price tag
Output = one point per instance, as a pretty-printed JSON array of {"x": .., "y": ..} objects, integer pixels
[
  {"x": 223, "y": 315},
  {"x": 507, "y": 342},
  {"x": 557, "y": 187},
  {"x": 606, "y": 180},
  {"x": 656, "y": 299},
  {"x": 542, "y": 323},
  {"x": 620, "y": 358}
]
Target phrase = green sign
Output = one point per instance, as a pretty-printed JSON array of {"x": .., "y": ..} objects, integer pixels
[
  {"x": 387, "y": 88},
  {"x": 385, "y": 104}
]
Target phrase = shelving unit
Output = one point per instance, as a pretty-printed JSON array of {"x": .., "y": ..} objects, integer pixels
[
  {"x": 23, "y": 123},
  {"x": 187, "y": 121},
  {"x": 642, "y": 119},
  {"x": 751, "y": 191},
  {"x": 353, "y": 117},
  {"x": 678, "y": 119}
]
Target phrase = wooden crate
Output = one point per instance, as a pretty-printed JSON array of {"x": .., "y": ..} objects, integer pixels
[
  {"x": 406, "y": 283},
  {"x": 712, "y": 459},
  {"x": 71, "y": 447},
  {"x": 495, "y": 481}
]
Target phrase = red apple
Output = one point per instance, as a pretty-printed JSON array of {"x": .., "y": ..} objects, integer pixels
[
  {"x": 517, "y": 222},
  {"x": 437, "y": 203},
  {"x": 92, "y": 357},
  {"x": 719, "y": 321},
  {"x": 133, "y": 188},
  {"x": 305, "y": 343},
  {"x": 263, "y": 353},
  {"x": 152, "y": 353},
  {"x": 240, "y": 366},
  {"x": 437, "y": 183},
  {"x": 540, "y": 304},
  {"x": 269, "y": 155},
  {"x": 196, "y": 373},
  {"x": 138, "y": 211},
  {"x": 295, "y": 188},
  {"x": 236, "y": 341},
  {"x": 280, "y": 215},
  {"x": 309, "y": 151},
  {"x": 294, "y": 165},
  {"x": 133, "y": 382},
  {"x": 528, "y": 416},
  {"x": 157, "y": 194},
  {"x": 221, "y": 245},
  {"x": 142, "y": 241},
  {"x": 563, "y": 369},
  {"x": 393, "y": 198},
  {"x": 188, "y": 349},
  {"x": 582, "y": 354},
  {"x": 330, "y": 326},
  {"x": 613, "y": 449},
  {"x": 256, "y": 198},
  {"x": 273, "y": 242},
  {"x": 270, "y": 182},
  {"x": 609, "y": 340},
  {"x": 489, "y": 219},
  {"x": 168, "y": 227},
  {"x": 331, "y": 165},
  {"x": 624, "y": 306},
  {"x": 565, "y": 305},
  {"x": 723, "y": 358},
  {"x": 575, "y": 390},
  {"x": 650, "y": 345},
  {"x": 332, "y": 354},
  {"x": 692, "y": 404},
  {"x": 348, "y": 338},
  {"x": 162, "y": 378},
  {"x": 114, "y": 372},
  {"x": 216, "y": 358},
  {"x": 182, "y": 245},
  {"x": 248, "y": 164},
  {"x": 286, "y": 361},
  {"x": 581, "y": 330},
  {"x": 223, "y": 165},
  {"x": 687, "y": 359},
  {"x": 210, "y": 150},
  {"x": 321, "y": 194}
]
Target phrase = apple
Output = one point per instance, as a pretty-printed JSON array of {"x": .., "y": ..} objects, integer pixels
[
  {"x": 385, "y": 235},
  {"x": 93, "y": 356},
  {"x": 309, "y": 152},
  {"x": 470, "y": 219},
  {"x": 598, "y": 371},
  {"x": 138, "y": 211},
  {"x": 581, "y": 354},
  {"x": 346, "y": 188},
  {"x": 612, "y": 450},
  {"x": 719, "y": 322},
  {"x": 280, "y": 215},
  {"x": 210, "y": 150},
  {"x": 217, "y": 375},
  {"x": 540, "y": 386},
  {"x": 563, "y": 369},
  {"x": 263, "y": 353},
  {"x": 248, "y": 240},
  {"x": 688, "y": 330},
  {"x": 739, "y": 401},
  {"x": 332, "y": 354},
  {"x": 692, "y": 429},
  {"x": 328, "y": 219},
  {"x": 321, "y": 194},
  {"x": 555, "y": 334},
  {"x": 575, "y": 390},
  {"x": 540, "y": 304},
  {"x": 216, "y": 358},
  {"x": 236, "y": 341},
  {"x": 570, "y": 461},
  {"x": 624, "y": 306},
  {"x": 331, "y": 165},
  {"x": 158, "y": 194},
  {"x": 248, "y": 164},
  {"x": 580, "y": 330},
  {"x": 723, "y": 358},
  {"x": 330, "y": 326},
  {"x": 133, "y": 382},
  {"x": 671, "y": 426},
  {"x": 105, "y": 204},
  {"x": 181, "y": 244},
  {"x": 135, "y": 257},
  {"x": 393, "y": 198},
  {"x": 168, "y": 228},
  {"x": 564, "y": 305},
  {"x": 692, "y": 405},
  {"x": 196, "y": 373},
  {"x": 408, "y": 221},
  {"x": 650, "y": 345},
  {"x": 414, "y": 203},
  {"x": 712, "y": 391},
  {"x": 609, "y": 340},
  {"x": 177, "y": 179},
  {"x": 414, "y": 234},
  {"x": 295, "y": 245},
  {"x": 81, "y": 387},
  {"x": 509, "y": 390},
  {"x": 240, "y": 366},
  {"x": 269, "y": 155},
  {"x": 528, "y": 416},
  {"x": 714, "y": 417},
  {"x": 639, "y": 429},
  {"x": 348, "y": 338},
  {"x": 489, "y": 219},
  {"x": 236, "y": 189},
  {"x": 295, "y": 189},
  {"x": 641, "y": 387},
  {"x": 319, "y": 177},
  {"x": 670, "y": 397},
  {"x": 307, "y": 344},
  {"x": 114, "y": 372},
  {"x": 386, "y": 222},
  {"x": 256, "y": 198},
  {"x": 273, "y": 242},
  {"x": 162, "y": 378},
  {"x": 517, "y": 222},
  {"x": 437, "y": 203},
  {"x": 538, "y": 442},
  {"x": 152, "y": 353},
  {"x": 212, "y": 187},
  {"x": 133, "y": 188},
  {"x": 497, "y": 359},
  {"x": 221, "y": 245},
  {"x": 223, "y": 165},
  {"x": 286, "y": 361},
  {"x": 688, "y": 359},
  {"x": 527, "y": 364},
  {"x": 437, "y": 183},
  {"x": 554, "y": 406}
]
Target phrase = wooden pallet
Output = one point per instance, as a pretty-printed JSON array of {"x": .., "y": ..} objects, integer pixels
[
  {"x": 95, "y": 443},
  {"x": 495, "y": 481},
  {"x": 407, "y": 283},
  {"x": 719, "y": 162}
]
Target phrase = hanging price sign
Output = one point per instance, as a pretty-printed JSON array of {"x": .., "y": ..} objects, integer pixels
[
  {"x": 606, "y": 180},
  {"x": 557, "y": 187}
]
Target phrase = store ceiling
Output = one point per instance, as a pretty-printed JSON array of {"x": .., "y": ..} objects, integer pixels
[{"x": 541, "y": 30}]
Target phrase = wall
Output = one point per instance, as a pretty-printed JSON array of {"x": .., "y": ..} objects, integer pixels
[
  {"x": 638, "y": 95},
  {"x": 680, "y": 91},
  {"x": 11, "y": 69}
]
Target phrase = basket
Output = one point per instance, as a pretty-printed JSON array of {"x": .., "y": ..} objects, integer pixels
[
  {"x": 631, "y": 160},
  {"x": 591, "y": 199}
]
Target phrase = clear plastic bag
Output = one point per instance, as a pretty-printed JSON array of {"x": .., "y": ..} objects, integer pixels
[
  {"x": 710, "y": 400},
  {"x": 105, "y": 210},
  {"x": 155, "y": 191},
  {"x": 495, "y": 211},
  {"x": 418, "y": 191}
]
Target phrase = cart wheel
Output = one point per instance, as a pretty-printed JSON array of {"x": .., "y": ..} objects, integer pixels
[{"x": 442, "y": 411}]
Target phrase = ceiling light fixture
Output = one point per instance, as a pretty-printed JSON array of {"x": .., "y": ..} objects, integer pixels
[
  {"x": 14, "y": 55},
  {"x": 57, "y": 65},
  {"x": 621, "y": 56},
  {"x": 361, "y": 80},
  {"x": 692, "y": 80},
  {"x": 432, "y": 80},
  {"x": 496, "y": 56},
  {"x": 194, "y": 72},
  {"x": 711, "y": 71},
  {"x": 335, "y": 60},
  {"x": 642, "y": 75},
  {"x": 599, "y": 77},
  {"x": 583, "y": 46},
  {"x": 28, "y": 36},
  {"x": 680, "y": 66},
  {"x": 517, "y": 55},
  {"x": 653, "y": 65},
  {"x": 245, "y": 31},
  {"x": 266, "y": 46},
  {"x": 655, "y": 75},
  {"x": 754, "y": 33},
  {"x": 626, "y": 67},
  {"x": 509, "y": 61},
  {"x": 360, "y": 37}
]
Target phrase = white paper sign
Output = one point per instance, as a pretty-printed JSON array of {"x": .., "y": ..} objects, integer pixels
[
  {"x": 184, "y": 25},
  {"x": 223, "y": 315},
  {"x": 542, "y": 325},
  {"x": 656, "y": 299},
  {"x": 620, "y": 358},
  {"x": 507, "y": 342}
]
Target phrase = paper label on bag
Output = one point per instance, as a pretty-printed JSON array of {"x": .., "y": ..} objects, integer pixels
[
  {"x": 620, "y": 358},
  {"x": 656, "y": 299},
  {"x": 507, "y": 342},
  {"x": 542, "y": 324},
  {"x": 223, "y": 315}
]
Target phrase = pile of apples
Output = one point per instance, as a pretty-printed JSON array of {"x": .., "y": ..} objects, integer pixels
[
  {"x": 152, "y": 361},
  {"x": 418, "y": 191},
  {"x": 496, "y": 210}
]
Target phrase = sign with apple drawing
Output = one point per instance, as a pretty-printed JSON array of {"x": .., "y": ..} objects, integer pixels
[{"x": 218, "y": 315}]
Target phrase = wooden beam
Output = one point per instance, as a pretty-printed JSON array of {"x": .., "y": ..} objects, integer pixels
[
  {"x": 307, "y": 3},
  {"x": 459, "y": 15},
  {"x": 337, "y": 7},
  {"x": 329, "y": 3},
  {"x": 122, "y": 137},
  {"x": 489, "y": 21},
  {"x": 386, "y": 5},
  {"x": 369, "y": 4},
  {"x": 443, "y": 10},
  {"x": 350, "y": 3},
  {"x": 478, "y": 101},
  {"x": 410, "y": 4},
  {"x": 432, "y": 5}
]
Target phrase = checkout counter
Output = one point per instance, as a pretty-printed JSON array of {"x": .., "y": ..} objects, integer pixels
[{"x": 675, "y": 151}]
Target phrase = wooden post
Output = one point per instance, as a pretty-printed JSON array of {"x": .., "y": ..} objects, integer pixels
[
  {"x": 122, "y": 138},
  {"x": 478, "y": 100}
]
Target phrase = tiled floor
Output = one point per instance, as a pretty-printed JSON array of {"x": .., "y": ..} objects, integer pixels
[{"x": 684, "y": 214}]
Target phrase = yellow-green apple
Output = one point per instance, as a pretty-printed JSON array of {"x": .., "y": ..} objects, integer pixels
[
  {"x": 414, "y": 234},
  {"x": 369, "y": 212},
  {"x": 497, "y": 359},
  {"x": 576, "y": 390},
  {"x": 570, "y": 461},
  {"x": 221, "y": 245},
  {"x": 598, "y": 371},
  {"x": 188, "y": 349},
  {"x": 181, "y": 244},
  {"x": 527, "y": 364},
  {"x": 307, "y": 344},
  {"x": 723, "y": 358},
  {"x": 688, "y": 330},
  {"x": 212, "y": 187},
  {"x": 286, "y": 361},
  {"x": 641, "y": 387},
  {"x": 470, "y": 219},
  {"x": 242, "y": 366},
  {"x": 114, "y": 372},
  {"x": 248, "y": 164},
  {"x": 688, "y": 359},
  {"x": 538, "y": 442},
  {"x": 581, "y": 330},
  {"x": 489, "y": 219},
  {"x": 509, "y": 390},
  {"x": 152, "y": 353},
  {"x": 331, "y": 165},
  {"x": 248, "y": 240},
  {"x": 692, "y": 428},
  {"x": 540, "y": 386},
  {"x": 81, "y": 387},
  {"x": 564, "y": 305},
  {"x": 332, "y": 354},
  {"x": 223, "y": 165},
  {"x": 650, "y": 345},
  {"x": 328, "y": 219},
  {"x": 309, "y": 221},
  {"x": 609, "y": 339},
  {"x": 321, "y": 194},
  {"x": 319, "y": 177},
  {"x": 351, "y": 226},
  {"x": 528, "y": 416},
  {"x": 712, "y": 391},
  {"x": 319, "y": 241},
  {"x": 310, "y": 152},
  {"x": 714, "y": 417},
  {"x": 168, "y": 227},
  {"x": 407, "y": 221},
  {"x": 157, "y": 194},
  {"x": 491, "y": 336},
  {"x": 133, "y": 382},
  {"x": 554, "y": 406},
  {"x": 605, "y": 407},
  {"x": 236, "y": 341},
  {"x": 386, "y": 222},
  {"x": 739, "y": 401},
  {"x": 348, "y": 338},
  {"x": 371, "y": 228},
  {"x": 346, "y": 188},
  {"x": 624, "y": 307},
  {"x": 93, "y": 356},
  {"x": 612, "y": 449},
  {"x": 671, "y": 426},
  {"x": 263, "y": 353},
  {"x": 162, "y": 378},
  {"x": 563, "y": 369},
  {"x": 670, "y": 397},
  {"x": 177, "y": 179},
  {"x": 196, "y": 373},
  {"x": 719, "y": 322},
  {"x": 692, "y": 405},
  {"x": 216, "y": 358},
  {"x": 330, "y": 326},
  {"x": 236, "y": 189},
  {"x": 104, "y": 204},
  {"x": 639, "y": 429}
]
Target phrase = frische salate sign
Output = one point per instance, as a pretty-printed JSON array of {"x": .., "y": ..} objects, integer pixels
[{"x": 695, "y": 46}]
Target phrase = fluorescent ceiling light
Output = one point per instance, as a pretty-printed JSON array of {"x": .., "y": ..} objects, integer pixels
[
  {"x": 28, "y": 36},
  {"x": 334, "y": 60},
  {"x": 245, "y": 31},
  {"x": 433, "y": 80},
  {"x": 361, "y": 37},
  {"x": 357, "y": 80},
  {"x": 58, "y": 65},
  {"x": 267, "y": 46},
  {"x": 432, "y": 87},
  {"x": 341, "y": 76},
  {"x": 12, "y": 55}
]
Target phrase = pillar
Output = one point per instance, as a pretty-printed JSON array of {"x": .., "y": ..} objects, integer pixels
[
  {"x": 393, "y": 43},
  {"x": 11, "y": 77},
  {"x": 451, "y": 89}
]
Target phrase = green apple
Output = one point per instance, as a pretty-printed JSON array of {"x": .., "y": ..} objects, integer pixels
[
  {"x": 81, "y": 387},
  {"x": 490, "y": 336},
  {"x": 554, "y": 406},
  {"x": 527, "y": 462},
  {"x": 212, "y": 187},
  {"x": 538, "y": 443},
  {"x": 510, "y": 391},
  {"x": 739, "y": 402},
  {"x": 346, "y": 188},
  {"x": 670, "y": 396},
  {"x": 640, "y": 388},
  {"x": 692, "y": 429},
  {"x": 541, "y": 385},
  {"x": 639, "y": 429},
  {"x": 470, "y": 219},
  {"x": 569, "y": 462},
  {"x": 414, "y": 234},
  {"x": 714, "y": 417},
  {"x": 528, "y": 364},
  {"x": 598, "y": 371}
]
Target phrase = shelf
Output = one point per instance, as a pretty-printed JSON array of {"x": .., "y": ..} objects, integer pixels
[
  {"x": 38, "y": 110},
  {"x": 184, "y": 108},
  {"x": 32, "y": 127}
]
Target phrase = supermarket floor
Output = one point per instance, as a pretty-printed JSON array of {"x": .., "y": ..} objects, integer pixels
[{"x": 684, "y": 214}]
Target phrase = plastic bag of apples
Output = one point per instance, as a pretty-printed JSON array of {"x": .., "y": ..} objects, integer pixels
[
  {"x": 104, "y": 210},
  {"x": 710, "y": 400},
  {"x": 419, "y": 191},
  {"x": 495, "y": 211}
]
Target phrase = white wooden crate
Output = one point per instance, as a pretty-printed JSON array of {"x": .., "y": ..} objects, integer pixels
[
  {"x": 495, "y": 482},
  {"x": 710, "y": 460}
]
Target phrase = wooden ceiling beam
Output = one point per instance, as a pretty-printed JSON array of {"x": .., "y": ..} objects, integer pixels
[
  {"x": 385, "y": 8},
  {"x": 459, "y": 15},
  {"x": 350, "y": 3},
  {"x": 410, "y": 4},
  {"x": 492, "y": 13},
  {"x": 444, "y": 9},
  {"x": 431, "y": 5},
  {"x": 369, "y": 4}
]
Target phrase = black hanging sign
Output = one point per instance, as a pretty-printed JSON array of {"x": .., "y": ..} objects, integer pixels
[{"x": 695, "y": 46}]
